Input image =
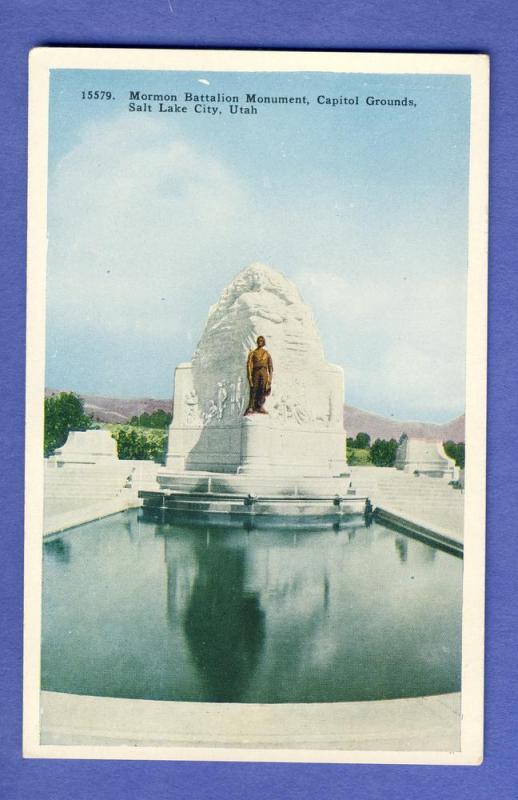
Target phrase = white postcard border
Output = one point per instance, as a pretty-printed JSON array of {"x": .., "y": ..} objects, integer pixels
[{"x": 477, "y": 67}]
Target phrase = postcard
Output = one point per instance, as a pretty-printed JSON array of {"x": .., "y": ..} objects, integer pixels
[{"x": 256, "y": 378}]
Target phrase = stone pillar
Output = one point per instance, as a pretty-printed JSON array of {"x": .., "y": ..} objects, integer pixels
[
  {"x": 255, "y": 444},
  {"x": 184, "y": 430}
]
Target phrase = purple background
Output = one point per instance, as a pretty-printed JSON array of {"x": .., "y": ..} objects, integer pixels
[{"x": 423, "y": 25}]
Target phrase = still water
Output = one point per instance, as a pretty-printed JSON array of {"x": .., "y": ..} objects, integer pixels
[{"x": 135, "y": 607}]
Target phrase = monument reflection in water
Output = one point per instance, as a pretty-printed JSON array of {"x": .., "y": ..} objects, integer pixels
[{"x": 144, "y": 608}]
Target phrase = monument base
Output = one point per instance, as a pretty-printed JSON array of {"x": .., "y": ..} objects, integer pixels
[
  {"x": 253, "y": 495},
  {"x": 256, "y": 467},
  {"x": 258, "y": 444}
]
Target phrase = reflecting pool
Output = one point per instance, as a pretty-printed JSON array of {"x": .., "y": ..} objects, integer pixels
[{"x": 166, "y": 610}]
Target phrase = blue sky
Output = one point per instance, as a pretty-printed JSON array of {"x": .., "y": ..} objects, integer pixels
[{"x": 365, "y": 208}]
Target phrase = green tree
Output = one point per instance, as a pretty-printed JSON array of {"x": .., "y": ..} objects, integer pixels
[
  {"x": 455, "y": 450},
  {"x": 64, "y": 412},
  {"x": 363, "y": 441},
  {"x": 141, "y": 445},
  {"x": 140, "y": 420},
  {"x": 158, "y": 419},
  {"x": 383, "y": 452}
]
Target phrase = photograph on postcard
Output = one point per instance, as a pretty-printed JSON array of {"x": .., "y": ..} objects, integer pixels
[{"x": 256, "y": 392}]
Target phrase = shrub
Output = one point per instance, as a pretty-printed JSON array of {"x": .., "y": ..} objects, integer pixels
[
  {"x": 383, "y": 452},
  {"x": 64, "y": 412},
  {"x": 357, "y": 457},
  {"x": 138, "y": 444}
]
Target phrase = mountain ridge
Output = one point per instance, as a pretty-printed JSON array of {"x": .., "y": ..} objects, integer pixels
[{"x": 120, "y": 410}]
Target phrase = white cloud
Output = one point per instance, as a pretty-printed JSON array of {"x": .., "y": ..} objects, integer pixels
[
  {"x": 134, "y": 219},
  {"x": 399, "y": 338}
]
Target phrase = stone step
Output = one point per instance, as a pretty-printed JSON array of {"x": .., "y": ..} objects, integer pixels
[
  {"x": 87, "y": 492},
  {"x": 429, "y": 499},
  {"x": 429, "y": 495}
]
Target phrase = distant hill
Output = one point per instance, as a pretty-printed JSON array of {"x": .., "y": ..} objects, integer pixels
[
  {"x": 115, "y": 409},
  {"x": 378, "y": 427}
]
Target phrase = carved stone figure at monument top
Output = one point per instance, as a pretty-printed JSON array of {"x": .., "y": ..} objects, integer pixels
[{"x": 211, "y": 392}]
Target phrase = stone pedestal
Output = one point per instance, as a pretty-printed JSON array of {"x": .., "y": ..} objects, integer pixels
[
  {"x": 425, "y": 458},
  {"x": 255, "y": 457},
  {"x": 87, "y": 447}
]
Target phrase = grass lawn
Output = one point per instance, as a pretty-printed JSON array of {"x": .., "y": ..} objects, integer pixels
[{"x": 357, "y": 457}]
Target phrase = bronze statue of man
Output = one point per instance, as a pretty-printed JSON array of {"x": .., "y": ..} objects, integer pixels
[{"x": 259, "y": 370}]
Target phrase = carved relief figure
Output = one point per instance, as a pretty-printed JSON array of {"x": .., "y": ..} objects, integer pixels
[
  {"x": 191, "y": 401},
  {"x": 281, "y": 409},
  {"x": 237, "y": 398},
  {"x": 210, "y": 413},
  {"x": 222, "y": 395},
  {"x": 259, "y": 369},
  {"x": 300, "y": 414}
]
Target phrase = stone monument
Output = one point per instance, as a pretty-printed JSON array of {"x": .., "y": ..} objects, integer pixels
[
  {"x": 303, "y": 432},
  {"x": 298, "y": 446}
]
